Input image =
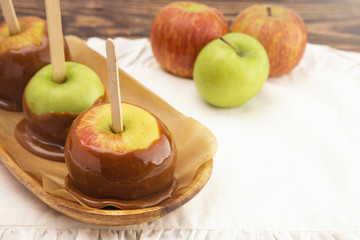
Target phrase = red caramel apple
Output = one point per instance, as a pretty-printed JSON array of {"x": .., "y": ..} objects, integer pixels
[
  {"x": 51, "y": 107},
  {"x": 136, "y": 163},
  {"x": 21, "y": 56}
]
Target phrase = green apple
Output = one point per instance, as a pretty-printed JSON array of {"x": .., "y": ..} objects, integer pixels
[
  {"x": 21, "y": 56},
  {"x": 79, "y": 92},
  {"x": 50, "y": 108},
  {"x": 231, "y": 70},
  {"x": 132, "y": 164}
]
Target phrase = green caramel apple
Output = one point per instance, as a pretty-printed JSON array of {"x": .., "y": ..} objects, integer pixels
[
  {"x": 50, "y": 108},
  {"x": 81, "y": 90}
]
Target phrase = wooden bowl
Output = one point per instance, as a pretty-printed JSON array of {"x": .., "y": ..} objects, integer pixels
[{"x": 45, "y": 179}]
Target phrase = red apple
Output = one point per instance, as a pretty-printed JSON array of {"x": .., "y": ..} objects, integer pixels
[
  {"x": 21, "y": 56},
  {"x": 280, "y": 30},
  {"x": 180, "y": 30}
]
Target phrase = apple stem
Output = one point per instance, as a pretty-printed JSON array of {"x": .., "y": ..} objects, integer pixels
[
  {"x": 114, "y": 87},
  {"x": 232, "y": 46},
  {"x": 56, "y": 40},
  {"x": 8, "y": 11},
  {"x": 269, "y": 11}
]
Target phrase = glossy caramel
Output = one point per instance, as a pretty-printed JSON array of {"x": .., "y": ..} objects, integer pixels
[
  {"x": 103, "y": 174},
  {"x": 145, "y": 202},
  {"x": 45, "y": 135}
]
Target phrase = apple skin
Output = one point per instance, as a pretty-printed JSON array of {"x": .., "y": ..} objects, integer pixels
[
  {"x": 133, "y": 164},
  {"x": 224, "y": 78},
  {"x": 80, "y": 90},
  {"x": 180, "y": 30},
  {"x": 283, "y": 34},
  {"x": 21, "y": 56}
]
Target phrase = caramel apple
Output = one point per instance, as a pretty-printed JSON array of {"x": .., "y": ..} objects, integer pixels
[
  {"x": 21, "y": 56},
  {"x": 133, "y": 164},
  {"x": 56, "y": 95},
  {"x": 51, "y": 107}
]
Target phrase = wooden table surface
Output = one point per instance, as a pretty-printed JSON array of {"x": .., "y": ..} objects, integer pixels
[{"x": 331, "y": 22}]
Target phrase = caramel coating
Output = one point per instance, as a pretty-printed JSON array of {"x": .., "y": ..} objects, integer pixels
[{"x": 45, "y": 135}]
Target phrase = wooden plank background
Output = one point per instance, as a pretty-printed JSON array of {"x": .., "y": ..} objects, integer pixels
[{"x": 331, "y": 22}]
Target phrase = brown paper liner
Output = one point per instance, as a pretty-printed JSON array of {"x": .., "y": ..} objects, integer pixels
[{"x": 195, "y": 143}]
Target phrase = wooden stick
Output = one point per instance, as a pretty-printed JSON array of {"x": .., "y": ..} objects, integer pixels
[
  {"x": 8, "y": 11},
  {"x": 56, "y": 40},
  {"x": 114, "y": 87}
]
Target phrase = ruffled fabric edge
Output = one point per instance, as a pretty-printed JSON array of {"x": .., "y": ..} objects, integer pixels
[{"x": 198, "y": 234}]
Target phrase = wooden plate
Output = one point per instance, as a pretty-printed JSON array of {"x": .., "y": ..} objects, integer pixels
[
  {"x": 109, "y": 217},
  {"x": 195, "y": 143}
]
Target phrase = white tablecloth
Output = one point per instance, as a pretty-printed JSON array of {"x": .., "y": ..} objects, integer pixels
[{"x": 287, "y": 166}]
